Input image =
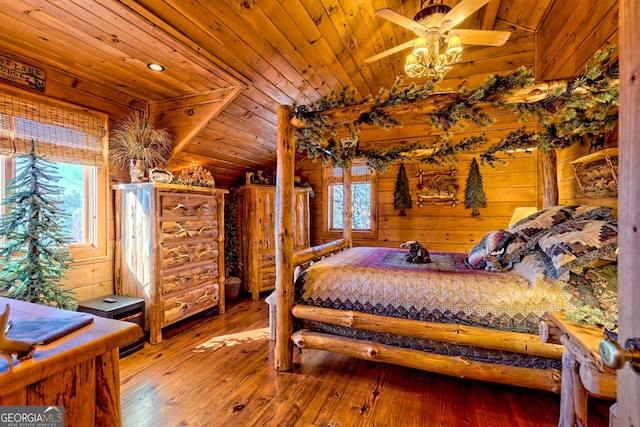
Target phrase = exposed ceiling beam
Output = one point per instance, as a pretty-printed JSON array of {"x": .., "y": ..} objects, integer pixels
[{"x": 187, "y": 116}]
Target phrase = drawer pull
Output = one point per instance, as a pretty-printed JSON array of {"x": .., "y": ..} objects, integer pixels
[
  {"x": 182, "y": 232},
  {"x": 203, "y": 253},
  {"x": 203, "y": 297},
  {"x": 170, "y": 286},
  {"x": 178, "y": 280},
  {"x": 176, "y": 255},
  {"x": 172, "y": 312},
  {"x": 203, "y": 229},
  {"x": 179, "y": 206},
  {"x": 204, "y": 205},
  {"x": 206, "y": 275}
]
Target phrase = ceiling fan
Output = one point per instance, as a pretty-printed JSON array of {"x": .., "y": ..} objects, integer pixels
[{"x": 438, "y": 45}]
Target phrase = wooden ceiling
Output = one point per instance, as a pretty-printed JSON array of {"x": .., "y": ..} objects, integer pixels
[{"x": 229, "y": 64}]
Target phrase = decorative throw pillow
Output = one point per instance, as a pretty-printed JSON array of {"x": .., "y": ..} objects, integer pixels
[
  {"x": 516, "y": 250},
  {"x": 580, "y": 212},
  {"x": 578, "y": 244},
  {"x": 530, "y": 227},
  {"x": 494, "y": 241},
  {"x": 532, "y": 267}
]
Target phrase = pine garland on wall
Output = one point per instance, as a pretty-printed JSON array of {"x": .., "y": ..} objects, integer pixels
[
  {"x": 402, "y": 194},
  {"x": 474, "y": 195},
  {"x": 571, "y": 112}
]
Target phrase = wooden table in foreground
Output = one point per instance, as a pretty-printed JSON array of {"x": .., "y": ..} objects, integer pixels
[
  {"x": 79, "y": 371},
  {"x": 583, "y": 372}
]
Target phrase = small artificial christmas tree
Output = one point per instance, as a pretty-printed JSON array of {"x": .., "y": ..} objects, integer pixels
[
  {"x": 402, "y": 195},
  {"x": 34, "y": 256},
  {"x": 474, "y": 196}
]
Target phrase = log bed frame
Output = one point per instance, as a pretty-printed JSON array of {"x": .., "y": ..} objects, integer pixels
[{"x": 289, "y": 263}]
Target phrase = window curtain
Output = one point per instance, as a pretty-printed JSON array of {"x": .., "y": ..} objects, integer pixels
[{"x": 62, "y": 132}]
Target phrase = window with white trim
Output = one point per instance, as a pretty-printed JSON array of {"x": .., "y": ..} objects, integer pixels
[
  {"x": 74, "y": 140},
  {"x": 363, "y": 200}
]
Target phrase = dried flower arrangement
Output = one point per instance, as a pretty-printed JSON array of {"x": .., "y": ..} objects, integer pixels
[{"x": 137, "y": 140}]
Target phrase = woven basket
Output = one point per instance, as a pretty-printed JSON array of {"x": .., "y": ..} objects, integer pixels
[{"x": 232, "y": 288}]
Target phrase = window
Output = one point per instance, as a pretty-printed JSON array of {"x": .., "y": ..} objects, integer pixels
[
  {"x": 363, "y": 192},
  {"x": 74, "y": 140}
]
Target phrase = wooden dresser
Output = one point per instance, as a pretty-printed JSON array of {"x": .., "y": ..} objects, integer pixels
[
  {"x": 257, "y": 233},
  {"x": 170, "y": 250}
]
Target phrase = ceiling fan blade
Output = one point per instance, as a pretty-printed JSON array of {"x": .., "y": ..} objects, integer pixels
[
  {"x": 403, "y": 21},
  {"x": 391, "y": 51},
  {"x": 460, "y": 12},
  {"x": 482, "y": 37}
]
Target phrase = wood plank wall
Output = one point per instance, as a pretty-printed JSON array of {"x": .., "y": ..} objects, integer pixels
[
  {"x": 519, "y": 183},
  {"x": 439, "y": 227},
  {"x": 91, "y": 277}
]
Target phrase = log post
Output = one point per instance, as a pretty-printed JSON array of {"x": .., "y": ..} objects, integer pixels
[
  {"x": 573, "y": 398},
  {"x": 347, "y": 205},
  {"x": 285, "y": 170},
  {"x": 550, "y": 179},
  {"x": 629, "y": 206}
]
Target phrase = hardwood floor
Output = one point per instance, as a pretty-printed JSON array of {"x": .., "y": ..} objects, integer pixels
[{"x": 217, "y": 371}]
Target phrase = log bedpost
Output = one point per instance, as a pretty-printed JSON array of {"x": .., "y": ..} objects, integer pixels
[
  {"x": 285, "y": 169},
  {"x": 550, "y": 179},
  {"x": 347, "y": 205}
]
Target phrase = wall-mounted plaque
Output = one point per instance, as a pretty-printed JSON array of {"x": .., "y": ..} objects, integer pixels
[{"x": 22, "y": 75}]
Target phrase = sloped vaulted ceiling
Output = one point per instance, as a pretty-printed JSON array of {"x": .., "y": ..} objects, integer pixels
[{"x": 229, "y": 64}]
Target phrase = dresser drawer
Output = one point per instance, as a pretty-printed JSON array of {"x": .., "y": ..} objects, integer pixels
[
  {"x": 187, "y": 230},
  {"x": 188, "y": 303},
  {"x": 182, "y": 280},
  {"x": 175, "y": 256},
  {"x": 179, "y": 205}
]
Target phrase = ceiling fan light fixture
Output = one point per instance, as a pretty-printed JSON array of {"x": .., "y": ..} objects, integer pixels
[
  {"x": 420, "y": 48},
  {"x": 433, "y": 55},
  {"x": 412, "y": 67},
  {"x": 454, "y": 47}
]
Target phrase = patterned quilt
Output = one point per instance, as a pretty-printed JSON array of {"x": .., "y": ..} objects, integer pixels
[{"x": 380, "y": 281}]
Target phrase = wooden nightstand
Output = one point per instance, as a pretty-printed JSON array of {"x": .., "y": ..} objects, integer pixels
[
  {"x": 122, "y": 308},
  {"x": 583, "y": 372}
]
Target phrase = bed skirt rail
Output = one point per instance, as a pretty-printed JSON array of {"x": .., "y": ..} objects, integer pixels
[
  {"x": 304, "y": 256},
  {"x": 452, "y": 333},
  {"x": 541, "y": 379}
]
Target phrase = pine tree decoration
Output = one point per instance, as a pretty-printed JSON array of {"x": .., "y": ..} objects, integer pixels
[
  {"x": 474, "y": 196},
  {"x": 402, "y": 195},
  {"x": 34, "y": 256}
]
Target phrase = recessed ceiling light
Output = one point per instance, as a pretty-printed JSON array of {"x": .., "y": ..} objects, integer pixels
[{"x": 155, "y": 67}]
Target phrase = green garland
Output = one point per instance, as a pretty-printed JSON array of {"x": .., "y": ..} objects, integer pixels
[{"x": 586, "y": 107}]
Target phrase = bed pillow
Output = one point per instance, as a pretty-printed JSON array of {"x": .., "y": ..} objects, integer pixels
[
  {"x": 533, "y": 267},
  {"x": 494, "y": 241},
  {"x": 530, "y": 229},
  {"x": 580, "y": 212},
  {"x": 578, "y": 244}
]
